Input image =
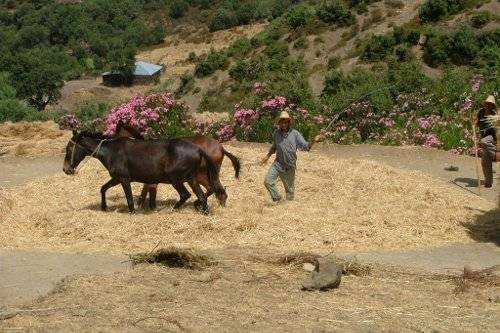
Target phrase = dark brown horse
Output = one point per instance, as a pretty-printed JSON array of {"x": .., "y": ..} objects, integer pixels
[
  {"x": 171, "y": 161},
  {"x": 210, "y": 146}
]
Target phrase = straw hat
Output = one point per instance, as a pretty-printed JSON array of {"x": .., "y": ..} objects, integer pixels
[
  {"x": 284, "y": 115},
  {"x": 491, "y": 100}
]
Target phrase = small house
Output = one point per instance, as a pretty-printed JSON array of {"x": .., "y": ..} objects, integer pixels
[{"x": 144, "y": 73}]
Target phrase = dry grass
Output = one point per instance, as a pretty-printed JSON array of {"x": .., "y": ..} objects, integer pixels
[
  {"x": 341, "y": 204},
  {"x": 246, "y": 296},
  {"x": 173, "y": 257},
  {"x": 488, "y": 277},
  {"x": 32, "y": 138}
]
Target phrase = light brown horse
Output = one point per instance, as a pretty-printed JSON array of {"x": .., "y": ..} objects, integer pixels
[{"x": 210, "y": 146}]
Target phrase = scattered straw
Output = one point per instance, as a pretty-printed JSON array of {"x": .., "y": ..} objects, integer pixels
[
  {"x": 488, "y": 277},
  {"x": 173, "y": 257},
  {"x": 340, "y": 204}
]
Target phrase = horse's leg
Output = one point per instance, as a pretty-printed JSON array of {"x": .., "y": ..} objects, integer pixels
[
  {"x": 153, "y": 188},
  {"x": 128, "y": 193},
  {"x": 201, "y": 203},
  {"x": 142, "y": 198},
  {"x": 202, "y": 179},
  {"x": 183, "y": 193},
  {"x": 104, "y": 188}
]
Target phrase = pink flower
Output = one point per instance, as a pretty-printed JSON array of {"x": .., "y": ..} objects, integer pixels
[
  {"x": 431, "y": 140},
  {"x": 225, "y": 133},
  {"x": 69, "y": 122},
  {"x": 275, "y": 102}
]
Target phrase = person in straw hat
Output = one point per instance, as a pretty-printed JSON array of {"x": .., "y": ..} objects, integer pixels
[
  {"x": 488, "y": 139},
  {"x": 286, "y": 141}
]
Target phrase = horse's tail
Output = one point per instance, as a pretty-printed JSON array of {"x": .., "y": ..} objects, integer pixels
[
  {"x": 235, "y": 161},
  {"x": 213, "y": 178}
]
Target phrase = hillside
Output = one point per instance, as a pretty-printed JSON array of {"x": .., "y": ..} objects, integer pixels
[{"x": 400, "y": 61}]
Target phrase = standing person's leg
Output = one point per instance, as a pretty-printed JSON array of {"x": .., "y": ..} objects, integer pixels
[
  {"x": 288, "y": 179},
  {"x": 488, "y": 156},
  {"x": 270, "y": 183}
]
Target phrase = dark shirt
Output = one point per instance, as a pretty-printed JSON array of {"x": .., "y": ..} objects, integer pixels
[
  {"x": 285, "y": 145},
  {"x": 485, "y": 127}
]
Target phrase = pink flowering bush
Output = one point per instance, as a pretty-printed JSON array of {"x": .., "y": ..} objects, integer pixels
[
  {"x": 153, "y": 115},
  {"x": 255, "y": 121},
  {"x": 69, "y": 122}
]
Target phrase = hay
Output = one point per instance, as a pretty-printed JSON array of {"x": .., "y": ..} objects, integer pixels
[
  {"x": 488, "y": 277},
  {"x": 32, "y": 138},
  {"x": 349, "y": 267},
  {"x": 341, "y": 204},
  {"x": 173, "y": 257}
]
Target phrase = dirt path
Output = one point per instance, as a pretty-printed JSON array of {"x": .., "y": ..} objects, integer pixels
[
  {"x": 20, "y": 170},
  {"x": 27, "y": 275}
]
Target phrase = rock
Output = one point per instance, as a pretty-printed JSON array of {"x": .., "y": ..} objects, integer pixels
[
  {"x": 308, "y": 267},
  {"x": 326, "y": 275}
]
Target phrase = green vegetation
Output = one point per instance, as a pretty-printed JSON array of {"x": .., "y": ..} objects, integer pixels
[{"x": 46, "y": 42}]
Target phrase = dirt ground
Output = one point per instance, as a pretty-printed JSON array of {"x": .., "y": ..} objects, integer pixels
[
  {"x": 253, "y": 294},
  {"x": 247, "y": 290}
]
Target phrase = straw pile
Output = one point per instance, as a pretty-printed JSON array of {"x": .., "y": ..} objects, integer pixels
[
  {"x": 340, "y": 204},
  {"x": 32, "y": 138}
]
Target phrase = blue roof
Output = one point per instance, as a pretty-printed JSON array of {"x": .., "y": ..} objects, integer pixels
[
  {"x": 145, "y": 68},
  {"x": 142, "y": 68}
]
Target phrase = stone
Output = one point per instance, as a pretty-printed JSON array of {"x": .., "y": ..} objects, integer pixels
[
  {"x": 308, "y": 267},
  {"x": 326, "y": 275}
]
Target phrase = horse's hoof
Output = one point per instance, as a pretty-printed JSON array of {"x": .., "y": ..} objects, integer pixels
[{"x": 104, "y": 209}]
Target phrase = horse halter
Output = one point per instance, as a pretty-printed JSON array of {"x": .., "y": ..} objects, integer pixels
[{"x": 93, "y": 153}]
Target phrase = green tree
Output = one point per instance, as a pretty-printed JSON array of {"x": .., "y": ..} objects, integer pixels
[{"x": 38, "y": 76}]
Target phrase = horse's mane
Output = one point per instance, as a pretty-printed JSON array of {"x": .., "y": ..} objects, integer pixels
[
  {"x": 136, "y": 134},
  {"x": 88, "y": 134}
]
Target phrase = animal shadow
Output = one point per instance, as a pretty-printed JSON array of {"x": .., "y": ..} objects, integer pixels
[{"x": 485, "y": 227}]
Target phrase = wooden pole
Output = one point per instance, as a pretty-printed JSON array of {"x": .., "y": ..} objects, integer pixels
[{"x": 474, "y": 136}]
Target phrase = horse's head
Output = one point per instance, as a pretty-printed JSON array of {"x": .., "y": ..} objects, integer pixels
[
  {"x": 221, "y": 197},
  {"x": 75, "y": 153}
]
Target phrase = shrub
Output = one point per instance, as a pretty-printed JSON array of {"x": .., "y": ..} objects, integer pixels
[
  {"x": 155, "y": 115},
  {"x": 378, "y": 47},
  {"x": 178, "y": 8},
  {"x": 255, "y": 121},
  {"x": 187, "y": 83},
  {"x": 298, "y": 16},
  {"x": 406, "y": 34},
  {"x": 480, "y": 19},
  {"x": 333, "y": 80},
  {"x": 223, "y": 19},
  {"x": 434, "y": 10},
  {"x": 240, "y": 47},
  {"x": 246, "y": 12},
  {"x": 91, "y": 110},
  {"x": 407, "y": 78},
  {"x": 213, "y": 61},
  {"x": 239, "y": 71},
  {"x": 403, "y": 53},
  {"x": 15, "y": 110},
  {"x": 192, "y": 57},
  {"x": 460, "y": 46},
  {"x": 333, "y": 62},
  {"x": 334, "y": 12}
]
